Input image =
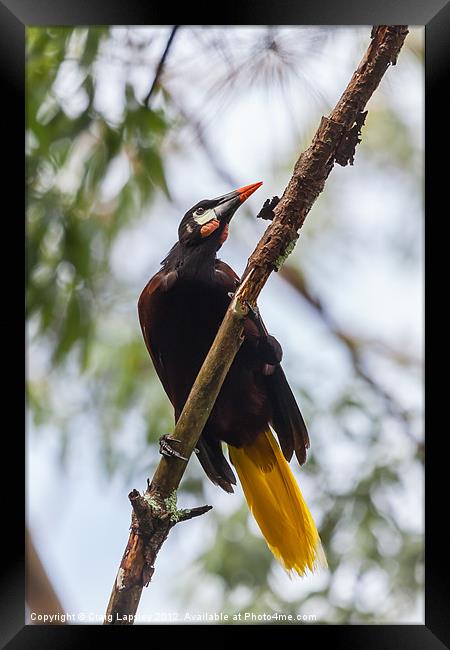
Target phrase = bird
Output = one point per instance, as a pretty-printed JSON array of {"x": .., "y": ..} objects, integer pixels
[{"x": 180, "y": 310}]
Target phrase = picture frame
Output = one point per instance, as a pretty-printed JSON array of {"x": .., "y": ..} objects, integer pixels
[{"x": 15, "y": 16}]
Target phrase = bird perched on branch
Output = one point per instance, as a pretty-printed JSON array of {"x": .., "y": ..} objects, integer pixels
[{"x": 180, "y": 311}]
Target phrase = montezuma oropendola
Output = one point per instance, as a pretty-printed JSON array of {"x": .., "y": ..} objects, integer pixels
[{"x": 180, "y": 311}]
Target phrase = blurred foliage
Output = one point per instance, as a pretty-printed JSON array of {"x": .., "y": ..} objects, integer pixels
[
  {"x": 70, "y": 226},
  {"x": 79, "y": 323},
  {"x": 72, "y": 223}
]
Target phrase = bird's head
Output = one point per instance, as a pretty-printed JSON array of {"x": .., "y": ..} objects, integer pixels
[{"x": 207, "y": 220}]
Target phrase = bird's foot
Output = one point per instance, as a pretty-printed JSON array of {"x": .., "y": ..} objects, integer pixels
[
  {"x": 269, "y": 348},
  {"x": 266, "y": 211},
  {"x": 166, "y": 447},
  {"x": 255, "y": 316},
  {"x": 236, "y": 286},
  {"x": 253, "y": 312}
]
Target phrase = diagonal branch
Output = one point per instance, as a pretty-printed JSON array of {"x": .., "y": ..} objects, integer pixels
[
  {"x": 155, "y": 513},
  {"x": 161, "y": 63}
]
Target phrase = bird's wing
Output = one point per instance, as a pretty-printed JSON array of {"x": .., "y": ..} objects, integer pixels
[
  {"x": 145, "y": 309},
  {"x": 286, "y": 417},
  {"x": 226, "y": 276},
  {"x": 210, "y": 452}
]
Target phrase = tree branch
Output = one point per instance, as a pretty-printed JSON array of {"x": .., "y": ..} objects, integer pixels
[
  {"x": 155, "y": 513},
  {"x": 160, "y": 65}
]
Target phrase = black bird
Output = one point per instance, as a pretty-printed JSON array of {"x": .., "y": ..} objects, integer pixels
[{"x": 180, "y": 311}]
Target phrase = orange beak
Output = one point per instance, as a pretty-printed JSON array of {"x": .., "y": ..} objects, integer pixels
[
  {"x": 245, "y": 192},
  {"x": 227, "y": 204}
]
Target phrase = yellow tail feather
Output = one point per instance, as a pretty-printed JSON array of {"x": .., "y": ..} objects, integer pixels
[{"x": 277, "y": 504}]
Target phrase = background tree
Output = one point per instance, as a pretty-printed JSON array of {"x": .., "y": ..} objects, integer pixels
[{"x": 108, "y": 179}]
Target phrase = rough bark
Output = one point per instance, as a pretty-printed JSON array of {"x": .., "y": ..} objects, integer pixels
[{"x": 155, "y": 513}]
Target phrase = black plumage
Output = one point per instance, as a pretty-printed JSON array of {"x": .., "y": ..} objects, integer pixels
[{"x": 180, "y": 311}]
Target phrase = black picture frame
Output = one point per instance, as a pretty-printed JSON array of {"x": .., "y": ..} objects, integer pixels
[{"x": 15, "y": 15}]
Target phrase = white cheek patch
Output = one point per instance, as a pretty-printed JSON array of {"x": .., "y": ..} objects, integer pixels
[{"x": 201, "y": 219}]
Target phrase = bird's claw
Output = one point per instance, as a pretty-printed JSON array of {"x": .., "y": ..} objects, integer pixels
[
  {"x": 255, "y": 316},
  {"x": 253, "y": 312},
  {"x": 166, "y": 448},
  {"x": 232, "y": 293}
]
